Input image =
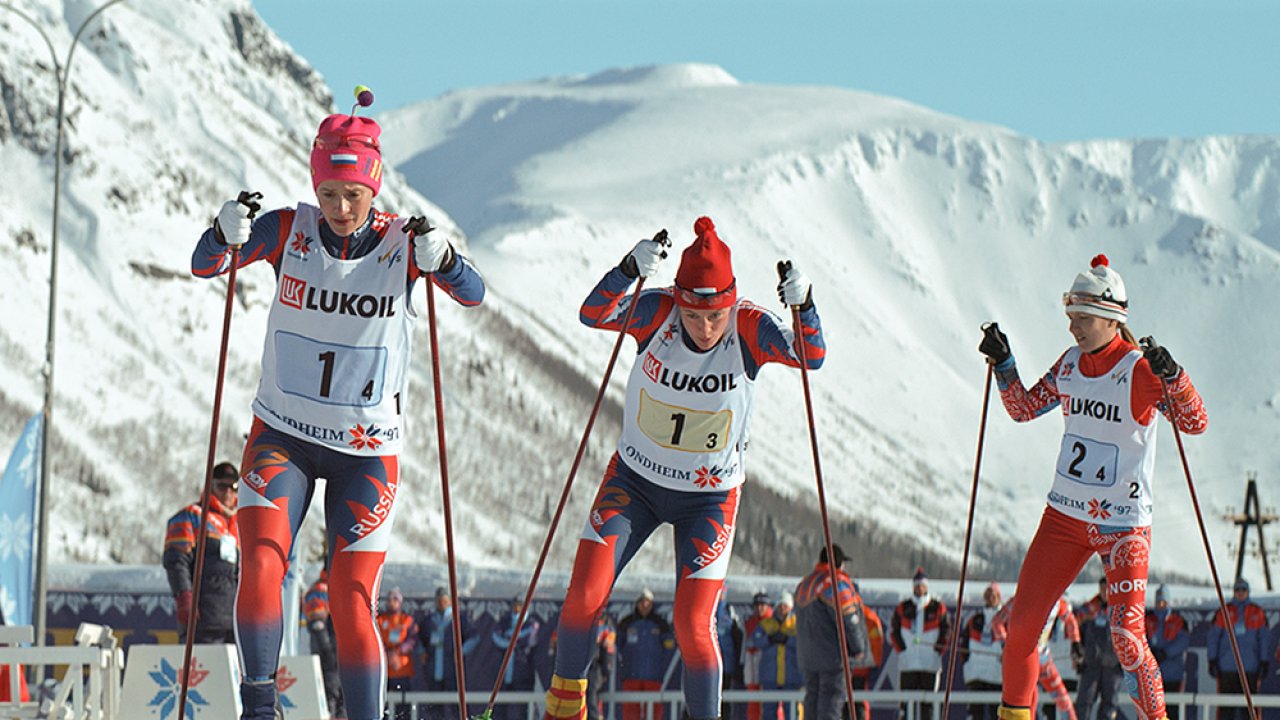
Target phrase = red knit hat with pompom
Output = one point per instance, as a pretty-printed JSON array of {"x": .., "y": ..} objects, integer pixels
[{"x": 705, "y": 278}]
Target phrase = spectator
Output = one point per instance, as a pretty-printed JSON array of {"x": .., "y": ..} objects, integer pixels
[
  {"x": 763, "y": 607},
  {"x": 980, "y": 646},
  {"x": 1060, "y": 620},
  {"x": 729, "y": 638},
  {"x": 399, "y": 641},
  {"x": 775, "y": 637},
  {"x": 602, "y": 662},
  {"x": 221, "y": 570},
  {"x": 920, "y": 627},
  {"x": 1100, "y": 670},
  {"x": 645, "y": 647},
  {"x": 1168, "y": 639},
  {"x": 519, "y": 673},
  {"x": 1249, "y": 623},
  {"x": 871, "y": 660},
  {"x": 315, "y": 608},
  {"x": 1064, "y": 640},
  {"x": 818, "y": 638},
  {"x": 435, "y": 637}
]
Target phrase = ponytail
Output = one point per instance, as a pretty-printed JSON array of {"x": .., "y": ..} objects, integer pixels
[{"x": 1127, "y": 334}]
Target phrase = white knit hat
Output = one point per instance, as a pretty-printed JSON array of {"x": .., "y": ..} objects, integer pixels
[{"x": 1099, "y": 292}]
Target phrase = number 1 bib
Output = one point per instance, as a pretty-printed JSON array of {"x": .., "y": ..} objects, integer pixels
[
  {"x": 339, "y": 336},
  {"x": 1106, "y": 460},
  {"x": 685, "y": 423}
]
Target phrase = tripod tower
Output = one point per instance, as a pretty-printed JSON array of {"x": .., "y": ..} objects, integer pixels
[{"x": 1255, "y": 518}]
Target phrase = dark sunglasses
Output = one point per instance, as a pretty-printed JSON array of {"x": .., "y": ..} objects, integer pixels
[{"x": 228, "y": 486}]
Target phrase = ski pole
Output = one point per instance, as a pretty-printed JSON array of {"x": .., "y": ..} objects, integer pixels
[
  {"x": 660, "y": 237},
  {"x": 1148, "y": 343},
  {"x": 249, "y": 200},
  {"x": 419, "y": 226},
  {"x": 968, "y": 535},
  {"x": 783, "y": 268}
]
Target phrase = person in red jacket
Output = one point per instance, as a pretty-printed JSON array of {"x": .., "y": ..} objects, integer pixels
[
  {"x": 399, "y": 633},
  {"x": 1248, "y": 621},
  {"x": 1110, "y": 393},
  {"x": 763, "y": 607},
  {"x": 221, "y": 569}
]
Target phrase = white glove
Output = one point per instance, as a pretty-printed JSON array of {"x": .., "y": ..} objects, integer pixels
[
  {"x": 794, "y": 288},
  {"x": 430, "y": 251},
  {"x": 646, "y": 255},
  {"x": 233, "y": 223}
]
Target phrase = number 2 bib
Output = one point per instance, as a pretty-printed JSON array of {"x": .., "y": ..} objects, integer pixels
[
  {"x": 338, "y": 341},
  {"x": 1105, "y": 464},
  {"x": 685, "y": 423}
]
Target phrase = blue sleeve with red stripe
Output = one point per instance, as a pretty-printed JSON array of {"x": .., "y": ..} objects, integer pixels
[
  {"x": 462, "y": 282},
  {"x": 266, "y": 241},
  {"x": 607, "y": 305},
  {"x": 766, "y": 338}
]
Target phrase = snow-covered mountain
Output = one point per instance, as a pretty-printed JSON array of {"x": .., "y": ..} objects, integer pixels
[{"x": 915, "y": 227}]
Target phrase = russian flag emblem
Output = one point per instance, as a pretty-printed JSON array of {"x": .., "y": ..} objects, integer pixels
[{"x": 343, "y": 159}]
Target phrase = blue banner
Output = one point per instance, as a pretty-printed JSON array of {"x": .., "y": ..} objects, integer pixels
[{"x": 18, "y": 492}]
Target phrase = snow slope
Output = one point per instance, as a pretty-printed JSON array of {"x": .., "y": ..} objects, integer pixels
[{"x": 915, "y": 228}]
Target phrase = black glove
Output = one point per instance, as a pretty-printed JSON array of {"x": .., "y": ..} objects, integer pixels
[
  {"x": 995, "y": 345},
  {"x": 1213, "y": 668},
  {"x": 1161, "y": 362}
]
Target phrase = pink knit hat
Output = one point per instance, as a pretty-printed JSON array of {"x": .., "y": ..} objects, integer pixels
[{"x": 346, "y": 148}]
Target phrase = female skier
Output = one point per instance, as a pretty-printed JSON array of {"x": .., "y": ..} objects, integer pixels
[
  {"x": 1101, "y": 498},
  {"x": 330, "y": 399},
  {"x": 680, "y": 455}
]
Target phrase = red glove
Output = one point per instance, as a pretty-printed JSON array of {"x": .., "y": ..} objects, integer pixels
[{"x": 184, "y": 607}]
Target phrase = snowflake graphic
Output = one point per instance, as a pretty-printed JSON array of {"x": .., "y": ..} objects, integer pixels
[
  {"x": 362, "y": 438},
  {"x": 300, "y": 244},
  {"x": 1099, "y": 510},
  {"x": 706, "y": 478},
  {"x": 15, "y": 536},
  {"x": 670, "y": 333},
  {"x": 166, "y": 698}
]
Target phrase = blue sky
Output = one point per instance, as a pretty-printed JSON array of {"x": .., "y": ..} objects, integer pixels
[{"x": 1049, "y": 69}]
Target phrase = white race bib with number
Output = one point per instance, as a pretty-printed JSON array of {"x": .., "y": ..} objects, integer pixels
[
  {"x": 1105, "y": 464},
  {"x": 684, "y": 426},
  {"x": 338, "y": 341}
]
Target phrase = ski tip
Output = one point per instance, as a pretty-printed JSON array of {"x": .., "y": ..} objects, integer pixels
[{"x": 486, "y": 715}]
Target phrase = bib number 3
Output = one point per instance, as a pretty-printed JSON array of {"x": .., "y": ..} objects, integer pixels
[
  {"x": 330, "y": 374},
  {"x": 1088, "y": 462},
  {"x": 679, "y": 428}
]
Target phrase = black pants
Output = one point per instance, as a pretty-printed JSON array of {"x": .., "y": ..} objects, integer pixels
[
  {"x": 978, "y": 711},
  {"x": 918, "y": 680},
  {"x": 1229, "y": 683}
]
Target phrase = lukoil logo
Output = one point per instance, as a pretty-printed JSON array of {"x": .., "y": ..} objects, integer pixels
[{"x": 292, "y": 290}]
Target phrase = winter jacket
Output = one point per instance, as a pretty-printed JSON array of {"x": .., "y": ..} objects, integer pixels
[
  {"x": 981, "y": 645},
  {"x": 399, "y": 641},
  {"x": 435, "y": 635},
  {"x": 520, "y": 669},
  {"x": 920, "y": 637},
  {"x": 645, "y": 646},
  {"x": 751, "y": 653},
  {"x": 776, "y": 640},
  {"x": 729, "y": 635},
  {"x": 221, "y": 561},
  {"x": 817, "y": 638},
  {"x": 1168, "y": 637},
  {"x": 1250, "y": 623}
]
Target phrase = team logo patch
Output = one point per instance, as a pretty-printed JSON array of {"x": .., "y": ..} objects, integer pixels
[
  {"x": 1099, "y": 509},
  {"x": 652, "y": 366},
  {"x": 343, "y": 159},
  {"x": 301, "y": 245},
  {"x": 705, "y": 477},
  {"x": 292, "y": 290},
  {"x": 1132, "y": 551},
  {"x": 670, "y": 333},
  {"x": 1066, "y": 370},
  {"x": 391, "y": 257},
  {"x": 362, "y": 438}
]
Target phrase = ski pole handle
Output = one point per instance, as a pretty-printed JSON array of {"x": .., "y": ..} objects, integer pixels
[
  {"x": 250, "y": 200},
  {"x": 417, "y": 225},
  {"x": 1147, "y": 343},
  {"x": 662, "y": 239},
  {"x": 784, "y": 267}
]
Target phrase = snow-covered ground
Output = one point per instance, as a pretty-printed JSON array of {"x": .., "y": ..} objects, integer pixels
[{"x": 916, "y": 227}]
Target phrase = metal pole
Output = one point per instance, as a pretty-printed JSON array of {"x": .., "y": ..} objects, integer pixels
[{"x": 61, "y": 72}]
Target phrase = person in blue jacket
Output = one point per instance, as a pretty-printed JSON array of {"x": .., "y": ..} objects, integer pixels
[
  {"x": 645, "y": 646},
  {"x": 775, "y": 637},
  {"x": 1249, "y": 623},
  {"x": 520, "y": 671},
  {"x": 435, "y": 637},
  {"x": 1168, "y": 639}
]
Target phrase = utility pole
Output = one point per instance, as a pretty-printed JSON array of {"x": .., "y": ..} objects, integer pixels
[{"x": 1253, "y": 517}]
